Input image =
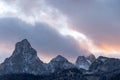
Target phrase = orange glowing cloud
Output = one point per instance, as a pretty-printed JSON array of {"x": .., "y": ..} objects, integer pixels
[{"x": 110, "y": 48}]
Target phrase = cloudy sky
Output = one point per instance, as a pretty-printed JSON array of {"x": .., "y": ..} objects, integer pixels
[{"x": 61, "y": 27}]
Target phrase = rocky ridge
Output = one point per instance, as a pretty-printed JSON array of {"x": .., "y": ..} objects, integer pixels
[{"x": 24, "y": 60}]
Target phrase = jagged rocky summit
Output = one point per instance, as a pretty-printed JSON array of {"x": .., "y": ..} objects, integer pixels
[
  {"x": 23, "y": 60},
  {"x": 85, "y": 62},
  {"x": 59, "y": 63}
]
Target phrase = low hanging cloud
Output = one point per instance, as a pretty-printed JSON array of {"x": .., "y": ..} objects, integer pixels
[{"x": 45, "y": 39}]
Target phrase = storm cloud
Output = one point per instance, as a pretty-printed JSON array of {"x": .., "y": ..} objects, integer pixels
[
  {"x": 98, "y": 19},
  {"x": 45, "y": 39}
]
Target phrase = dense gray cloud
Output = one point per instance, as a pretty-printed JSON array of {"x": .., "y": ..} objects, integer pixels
[
  {"x": 45, "y": 39},
  {"x": 98, "y": 19}
]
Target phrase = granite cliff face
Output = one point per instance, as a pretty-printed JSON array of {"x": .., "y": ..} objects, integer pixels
[
  {"x": 23, "y": 60},
  {"x": 105, "y": 64},
  {"x": 60, "y": 63},
  {"x": 85, "y": 62}
]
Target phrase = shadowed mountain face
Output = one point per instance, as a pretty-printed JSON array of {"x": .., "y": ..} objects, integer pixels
[
  {"x": 59, "y": 63},
  {"x": 24, "y": 63},
  {"x": 23, "y": 60},
  {"x": 105, "y": 64},
  {"x": 85, "y": 62}
]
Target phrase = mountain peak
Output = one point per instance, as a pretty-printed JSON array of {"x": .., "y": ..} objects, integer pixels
[
  {"x": 24, "y": 47},
  {"x": 59, "y": 58},
  {"x": 91, "y": 57},
  {"x": 23, "y": 60},
  {"x": 83, "y": 62},
  {"x": 23, "y": 43},
  {"x": 59, "y": 62}
]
